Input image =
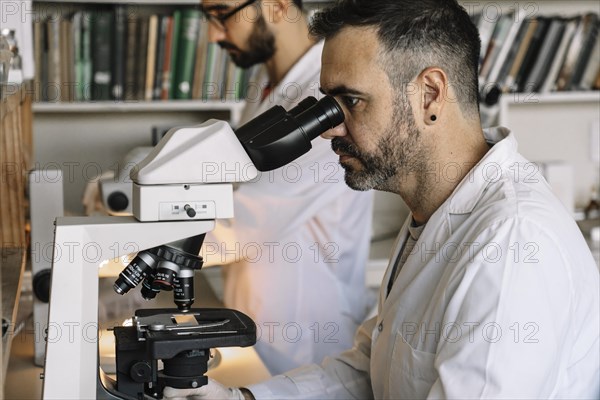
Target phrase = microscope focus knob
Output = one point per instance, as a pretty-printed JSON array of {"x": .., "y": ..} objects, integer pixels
[
  {"x": 41, "y": 284},
  {"x": 117, "y": 201},
  {"x": 189, "y": 210},
  {"x": 141, "y": 371}
]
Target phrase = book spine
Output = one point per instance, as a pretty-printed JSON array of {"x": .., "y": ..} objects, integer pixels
[
  {"x": 188, "y": 39},
  {"x": 86, "y": 55},
  {"x": 102, "y": 33},
  {"x": 78, "y": 55},
  {"x": 151, "y": 57},
  {"x": 160, "y": 55},
  {"x": 38, "y": 57},
  {"x": 174, "y": 53},
  {"x": 200, "y": 63},
  {"x": 141, "y": 64},
  {"x": 54, "y": 84},
  {"x": 166, "y": 69},
  {"x": 131, "y": 56},
  {"x": 118, "y": 49}
]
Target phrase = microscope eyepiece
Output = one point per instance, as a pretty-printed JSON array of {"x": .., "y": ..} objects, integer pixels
[{"x": 277, "y": 137}]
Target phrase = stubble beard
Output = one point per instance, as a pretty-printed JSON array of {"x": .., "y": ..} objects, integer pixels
[
  {"x": 394, "y": 159},
  {"x": 261, "y": 44}
]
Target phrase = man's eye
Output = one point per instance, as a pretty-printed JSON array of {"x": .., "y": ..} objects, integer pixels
[{"x": 350, "y": 101}]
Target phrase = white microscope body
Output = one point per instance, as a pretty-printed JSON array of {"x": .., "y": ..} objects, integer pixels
[{"x": 179, "y": 191}]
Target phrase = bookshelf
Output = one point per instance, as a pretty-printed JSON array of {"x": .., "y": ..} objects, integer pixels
[
  {"x": 89, "y": 135},
  {"x": 111, "y": 128},
  {"x": 552, "y": 109}
]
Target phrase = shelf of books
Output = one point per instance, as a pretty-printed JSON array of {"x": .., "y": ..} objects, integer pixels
[
  {"x": 127, "y": 53},
  {"x": 537, "y": 52}
]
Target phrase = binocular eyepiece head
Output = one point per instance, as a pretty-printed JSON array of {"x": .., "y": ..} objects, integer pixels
[{"x": 277, "y": 137}]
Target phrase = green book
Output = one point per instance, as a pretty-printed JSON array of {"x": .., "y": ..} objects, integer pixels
[
  {"x": 77, "y": 55},
  {"x": 102, "y": 54},
  {"x": 86, "y": 56},
  {"x": 209, "y": 80},
  {"x": 174, "y": 51},
  {"x": 186, "y": 53}
]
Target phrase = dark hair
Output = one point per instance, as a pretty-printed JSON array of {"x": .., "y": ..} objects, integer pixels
[
  {"x": 298, "y": 3},
  {"x": 415, "y": 35}
]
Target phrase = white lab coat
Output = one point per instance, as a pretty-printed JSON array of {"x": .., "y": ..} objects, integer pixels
[
  {"x": 499, "y": 299},
  {"x": 300, "y": 240}
]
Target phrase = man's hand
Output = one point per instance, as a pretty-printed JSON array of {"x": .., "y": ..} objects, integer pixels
[{"x": 212, "y": 390}]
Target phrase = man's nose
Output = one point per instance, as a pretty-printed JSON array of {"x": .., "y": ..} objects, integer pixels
[
  {"x": 339, "y": 130},
  {"x": 215, "y": 34}
]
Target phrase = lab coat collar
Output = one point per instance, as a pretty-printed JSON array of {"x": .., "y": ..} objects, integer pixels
[
  {"x": 461, "y": 203},
  {"x": 488, "y": 170}
]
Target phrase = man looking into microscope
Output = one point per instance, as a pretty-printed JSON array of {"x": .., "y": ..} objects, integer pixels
[
  {"x": 492, "y": 291},
  {"x": 300, "y": 236}
]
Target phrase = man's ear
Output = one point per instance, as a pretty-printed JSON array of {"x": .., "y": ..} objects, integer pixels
[{"x": 434, "y": 83}]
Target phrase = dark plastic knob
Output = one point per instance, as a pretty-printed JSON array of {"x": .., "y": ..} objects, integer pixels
[
  {"x": 189, "y": 211},
  {"x": 41, "y": 285},
  {"x": 141, "y": 371},
  {"x": 117, "y": 201}
]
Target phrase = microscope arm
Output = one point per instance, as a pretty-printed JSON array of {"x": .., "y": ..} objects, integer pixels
[{"x": 81, "y": 243}]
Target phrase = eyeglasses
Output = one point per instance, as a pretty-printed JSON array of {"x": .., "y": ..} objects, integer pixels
[{"x": 218, "y": 20}]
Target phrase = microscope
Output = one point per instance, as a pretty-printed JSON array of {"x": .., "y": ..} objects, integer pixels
[{"x": 178, "y": 191}]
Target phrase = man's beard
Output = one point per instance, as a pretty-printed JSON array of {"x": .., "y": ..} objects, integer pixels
[
  {"x": 261, "y": 44},
  {"x": 394, "y": 157}
]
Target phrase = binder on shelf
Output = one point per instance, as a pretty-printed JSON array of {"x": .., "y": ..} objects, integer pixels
[
  {"x": 590, "y": 33},
  {"x": 531, "y": 54},
  {"x": 131, "y": 56},
  {"x": 66, "y": 60},
  {"x": 102, "y": 36},
  {"x": 496, "y": 42},
  {"x": 200, "y": 62},
  {"x": 141, "y": 64},
  {"x": 547, "y": 53},
  {"x": 118, "y": 50},
  {"x": 186, "y": 53},
  {"x": 167, "y": 60},
  {"x": 163, "y": 31},
  {"x": 54, "y": 83},
  {"x": 592, "y": 69},
  {"x": 530, "y": 27},
  {"x": 486, "y": 28},
  {"x": 151, "y": 57},
  {"x": 510, "y": 58},
  {"x": 559, "y": 58},
  {"x": 504, "y": 45},
  {"x": 39, "y": 56},
  {"x": 86, "y": 57},
  {"x": 565, "y": 76},
  {"x": 174, "y": 55},
  {"x": 208, "y": 84},
  {"x": 76, "y": 29}
]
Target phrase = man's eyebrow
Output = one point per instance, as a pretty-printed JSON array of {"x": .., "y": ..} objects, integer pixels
[
  {"x": 337, "y": 90},
  {"x": 216, "y": 7}
]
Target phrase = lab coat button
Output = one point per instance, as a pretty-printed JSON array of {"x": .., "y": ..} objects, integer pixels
[{"x": 380, "y": 327}]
